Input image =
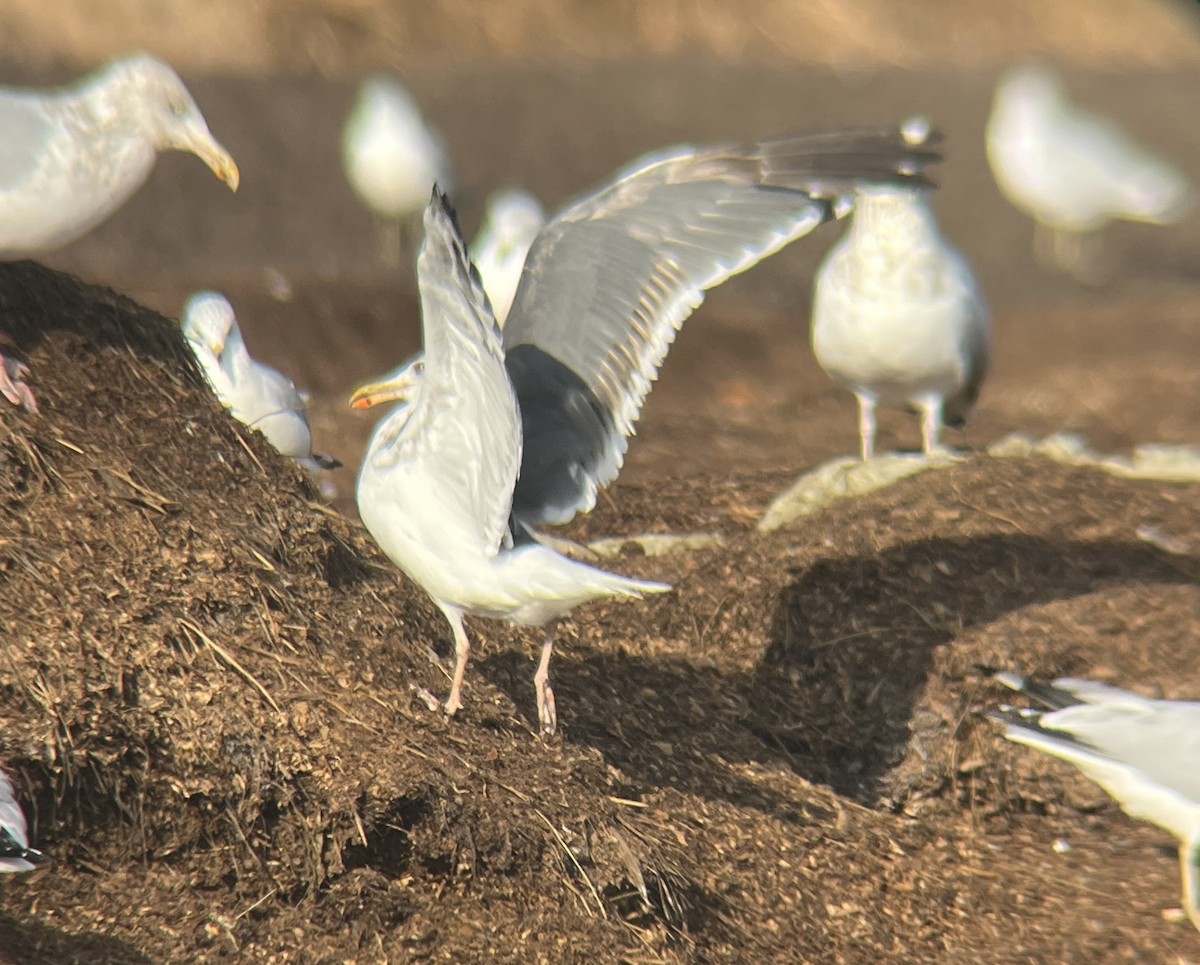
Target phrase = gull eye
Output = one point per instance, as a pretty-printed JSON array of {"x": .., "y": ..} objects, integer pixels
[{"x": 178, "y": 107}]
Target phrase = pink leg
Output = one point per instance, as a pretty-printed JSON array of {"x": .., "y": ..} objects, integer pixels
[
  {"x": 866, "y": 426},
  {"x": 547, "y": 715},
  {"x": 12, "y": 387},
  {"x": 931, "y": 424},
  {"x": 462, "y": 649}
]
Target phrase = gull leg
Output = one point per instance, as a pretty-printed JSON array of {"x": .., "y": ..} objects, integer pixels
[
  {"x": 931, "y": 423},
  {"x": 462, "y": 649},
  {"x": 1189, "y": 866},
  {"x": 388, "y": 231},
  {"x": 1069, "y": 254},
  {"x": 12, "y": 386},
  {"x": 1089, "y": 265},
  {"x": 866, "y": 425},
  {"x": 1045, "y": 246},
  {"x": 547, "y": 715},
  {"x": 1059, "y": 250}
]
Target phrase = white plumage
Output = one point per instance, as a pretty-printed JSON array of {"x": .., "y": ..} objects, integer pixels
[
  {"x": 255, "y": 394},
  {"x": 1070, "y": 170},
  {"x": 15, "y": 853},
  {"x": 1145, "y": 753},
  {"x": 897, "y": 317},
  {"x": 436, "y": 486},
  {"x": 514, "y": 218},
  {"x": 70, "y": 157},
  {"x": 503, "y": 432},
  {"x": 392, "y": 157}
]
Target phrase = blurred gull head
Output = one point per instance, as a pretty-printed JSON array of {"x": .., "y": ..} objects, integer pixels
[
  {"x": 148, "y": 94},
  {"x": 514, "y": 218}
]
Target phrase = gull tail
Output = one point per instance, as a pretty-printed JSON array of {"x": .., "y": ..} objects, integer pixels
[
  {"x": 1155, "y": 192},
  {"x": 15, "y": 853},
  {"x": 325, "y": 462},
  {"x": 554, "y": 584},
  {"x": 15, "y": 856}
]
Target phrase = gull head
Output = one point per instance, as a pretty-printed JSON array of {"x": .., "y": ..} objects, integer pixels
[
  {"x": 381, "y": 96},
  {"x": 402, "y": 385},
  {"x": 208, "y": 319},
  {"x": 1030, "y": 87},
  {"x": 153, "y": 96},
  {"x": 391, "y": 157},
  {"x": 514, "y": 217}
]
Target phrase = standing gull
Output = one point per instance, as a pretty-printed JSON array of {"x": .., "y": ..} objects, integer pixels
[
  {"x": 605, "y": 287},
  {"x": 1072, "y": 171},
  {"x": 436, "y": 485},
  {"x": 897, "y": 318},
  {"x": 70, "y": 157},
  {"x": 1145, "y": 753},
  {"x": 514, "y": 218},
  {"x": 15, "y": 853},
  {"x": 392, "y": 159},
  {"x": 255, "y": 394}
]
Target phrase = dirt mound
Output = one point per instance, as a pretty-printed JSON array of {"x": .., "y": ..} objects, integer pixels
[{"x": 210, "y": 694}]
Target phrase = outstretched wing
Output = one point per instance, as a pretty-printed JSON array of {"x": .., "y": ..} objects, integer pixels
[
  {"x": 464, "y": 427},
  {"x": 611, "y": 278}
]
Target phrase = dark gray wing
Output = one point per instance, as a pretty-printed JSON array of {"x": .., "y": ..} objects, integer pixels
[
  {"x": 976, "y": 344},
  {"x": 612, "y": 276}
]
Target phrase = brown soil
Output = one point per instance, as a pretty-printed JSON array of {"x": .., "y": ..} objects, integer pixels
[{"x": 209, "y": 680}]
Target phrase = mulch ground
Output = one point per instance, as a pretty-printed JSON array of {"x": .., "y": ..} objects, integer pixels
[
  {"x": 212, "y": 684},
  {"x": 210, "y": 695}
]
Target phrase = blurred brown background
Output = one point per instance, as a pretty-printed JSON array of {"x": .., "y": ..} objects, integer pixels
[
  {"x": 341, "y": 38},
  {"x": 553, "y": 96}
]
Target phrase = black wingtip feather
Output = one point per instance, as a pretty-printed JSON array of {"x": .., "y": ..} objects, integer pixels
[
  {"x": 1049, "y": 696},
  {"x": 442, "y": 200},
  {"x": 888, "y": 155},
  {"x": 1030, "y": 720},
  {"x": 10, "y": 848},
  {"x": 439, "y": 202}
]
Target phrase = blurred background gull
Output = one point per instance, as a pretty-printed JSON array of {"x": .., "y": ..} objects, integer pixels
[
  {"x": 872, "y": 619},
  {"x": 550, "y": 96}
]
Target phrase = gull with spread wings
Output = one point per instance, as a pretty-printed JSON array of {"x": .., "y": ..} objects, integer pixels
[{"x": 500, "y": 433}]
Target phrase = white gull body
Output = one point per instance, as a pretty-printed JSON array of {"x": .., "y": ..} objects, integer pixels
[
  {"x": 1070, "y": 170},
  {"x": 1145, "y": 753},
  {"x": 15, "y": 853},
  {"x": 514, "y": 218},
  {"x": 897, "y": 317},
  {"x": 69, "y": 157},
  {"x": 605, "y": 287},
  {"x": 392, "y": 158},
  {"x": 436, "y": 486},
  {"x": 255, "y": 394}
]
